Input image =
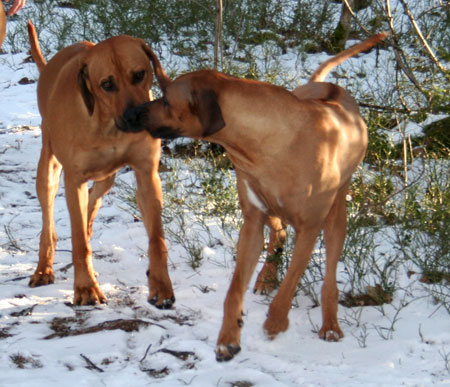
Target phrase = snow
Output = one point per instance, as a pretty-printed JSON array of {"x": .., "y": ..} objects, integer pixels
[
  {"x": 414, "y": 353},
  {"x": 412, "y": 129}
]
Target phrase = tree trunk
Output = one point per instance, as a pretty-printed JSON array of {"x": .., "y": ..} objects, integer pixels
[
  {"x": 218, "y": 54},
  {"x": 340, "y": 34},
  {"x": 343, "y": 29}
]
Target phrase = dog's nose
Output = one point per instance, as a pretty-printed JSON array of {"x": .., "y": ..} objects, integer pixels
[
  {"x": 133, "y": 119},
  {"x": 130, "y": 121}
]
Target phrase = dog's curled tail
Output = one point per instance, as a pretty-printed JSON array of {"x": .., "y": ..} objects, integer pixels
[
  {"x": 35, "y": 47},
  {"x": 320, "y": 74}
]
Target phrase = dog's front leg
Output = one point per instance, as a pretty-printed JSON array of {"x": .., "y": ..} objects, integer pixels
[
  {"x": 47, "y": 183},
  {"x": 250, "y": 245},
  {"x": 149, "y": 198},
  {"x": 86, "y": 288}
]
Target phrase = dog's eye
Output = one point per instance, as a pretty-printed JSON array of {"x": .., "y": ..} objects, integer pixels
[
  {"x": 138, "y": 76},
  {"x": 109, "y": 85},
  {"x": 165, "y": 102}
]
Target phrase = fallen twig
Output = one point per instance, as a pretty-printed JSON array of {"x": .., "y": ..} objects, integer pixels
[
  {"x": 63, "y": 269},
  {"x": 24, "y": 312},
  {"x": 182, "y": 355},
  {"x": 125, "y": 325},
  {"x": 90, "y": 364},
  {"x": 146, "y": 353},
  {"x": 16, "y": 279},
  {"x": 12, "y": 241}
]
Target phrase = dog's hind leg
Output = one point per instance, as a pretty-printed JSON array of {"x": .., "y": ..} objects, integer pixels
[
  {"x": 334, "y": 236},
  {"x": 149, "y": 198},
  {"x": 267, "y": 279},
  {"x": 277, "y": 320},
  {"x": 96, "y": 193},
  {"x": 47, "y": 183}
]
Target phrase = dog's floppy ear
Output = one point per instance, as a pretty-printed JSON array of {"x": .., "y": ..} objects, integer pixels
[
  {"x": 160, "y": 74},
  {"x": 88, "y": 98},
  {"x": 209, "y": 112}
]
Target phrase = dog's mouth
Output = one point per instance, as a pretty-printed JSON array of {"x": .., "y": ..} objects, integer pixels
[
  {"x": 138, "y": 118},
  {"x": 165, "y": 133}
]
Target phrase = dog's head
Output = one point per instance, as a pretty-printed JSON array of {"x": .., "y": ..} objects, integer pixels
[
  {"x": 190, "y": 107},
  {"x": 116, "y": 74}
]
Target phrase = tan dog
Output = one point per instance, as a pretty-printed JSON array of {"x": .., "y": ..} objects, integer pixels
[
  {"x": 82, "y": 93},
  {"x": 314, "y": 89},
  {"x": 294, "y": 155}
]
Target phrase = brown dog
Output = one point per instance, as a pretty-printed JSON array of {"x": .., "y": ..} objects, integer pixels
[
  {"x": 294, "y": 155},
  {"x": 82, "y": 93},
  {"x": 314, "y": 89}
]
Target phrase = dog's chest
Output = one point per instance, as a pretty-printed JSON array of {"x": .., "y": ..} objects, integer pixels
[
  {"x": 267, "y": 200},
  {"x": 98, "y": 162}
]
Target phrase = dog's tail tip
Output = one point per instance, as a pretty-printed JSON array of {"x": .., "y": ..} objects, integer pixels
[
  {"x": 36, "y": 53},
  {"x": 31, "y": 29},
  {"x": 383, "y": 35}
]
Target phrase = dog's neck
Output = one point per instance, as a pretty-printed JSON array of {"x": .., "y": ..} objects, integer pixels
[{"x": 252, "y": 125}]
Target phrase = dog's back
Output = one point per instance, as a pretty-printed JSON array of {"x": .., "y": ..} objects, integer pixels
[{"x": 341, "y": 101}]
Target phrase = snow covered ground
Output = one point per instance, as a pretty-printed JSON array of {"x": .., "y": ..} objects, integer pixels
[{"x": 46, "y": 341}]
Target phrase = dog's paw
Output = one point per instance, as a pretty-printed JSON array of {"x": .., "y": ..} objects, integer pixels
[
  {"x": 267, "y": 280},
  {"x": 330, "y": 331},
  {"x": 274, "y": 326},
  {"x": 264, "y": 287},
  {"x": 331, "y": 335},
  {"x": 161, "y": 292},
  {"x": 226, "y": 352},
  {"x": 88, "y": 295},
  {"x": 164, "y": 304},
  {"x": 42, "y": 278}
]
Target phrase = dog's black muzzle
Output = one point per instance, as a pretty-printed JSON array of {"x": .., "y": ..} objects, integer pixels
[
  {"x": 134, "y": 119},
  {"x": 138, "y": 118}
]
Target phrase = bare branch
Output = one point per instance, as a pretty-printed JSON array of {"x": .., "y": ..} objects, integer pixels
[
  {"x": 399, "y": 53},
  {"x": 218, "y": 45},
  {"x": 422, "y": 39},
  {"x": 90, "y": 364},
  {"x": 347, "y": 5}
]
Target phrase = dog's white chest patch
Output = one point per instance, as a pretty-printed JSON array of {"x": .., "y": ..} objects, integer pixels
[{"x": 253, "y": 199}]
